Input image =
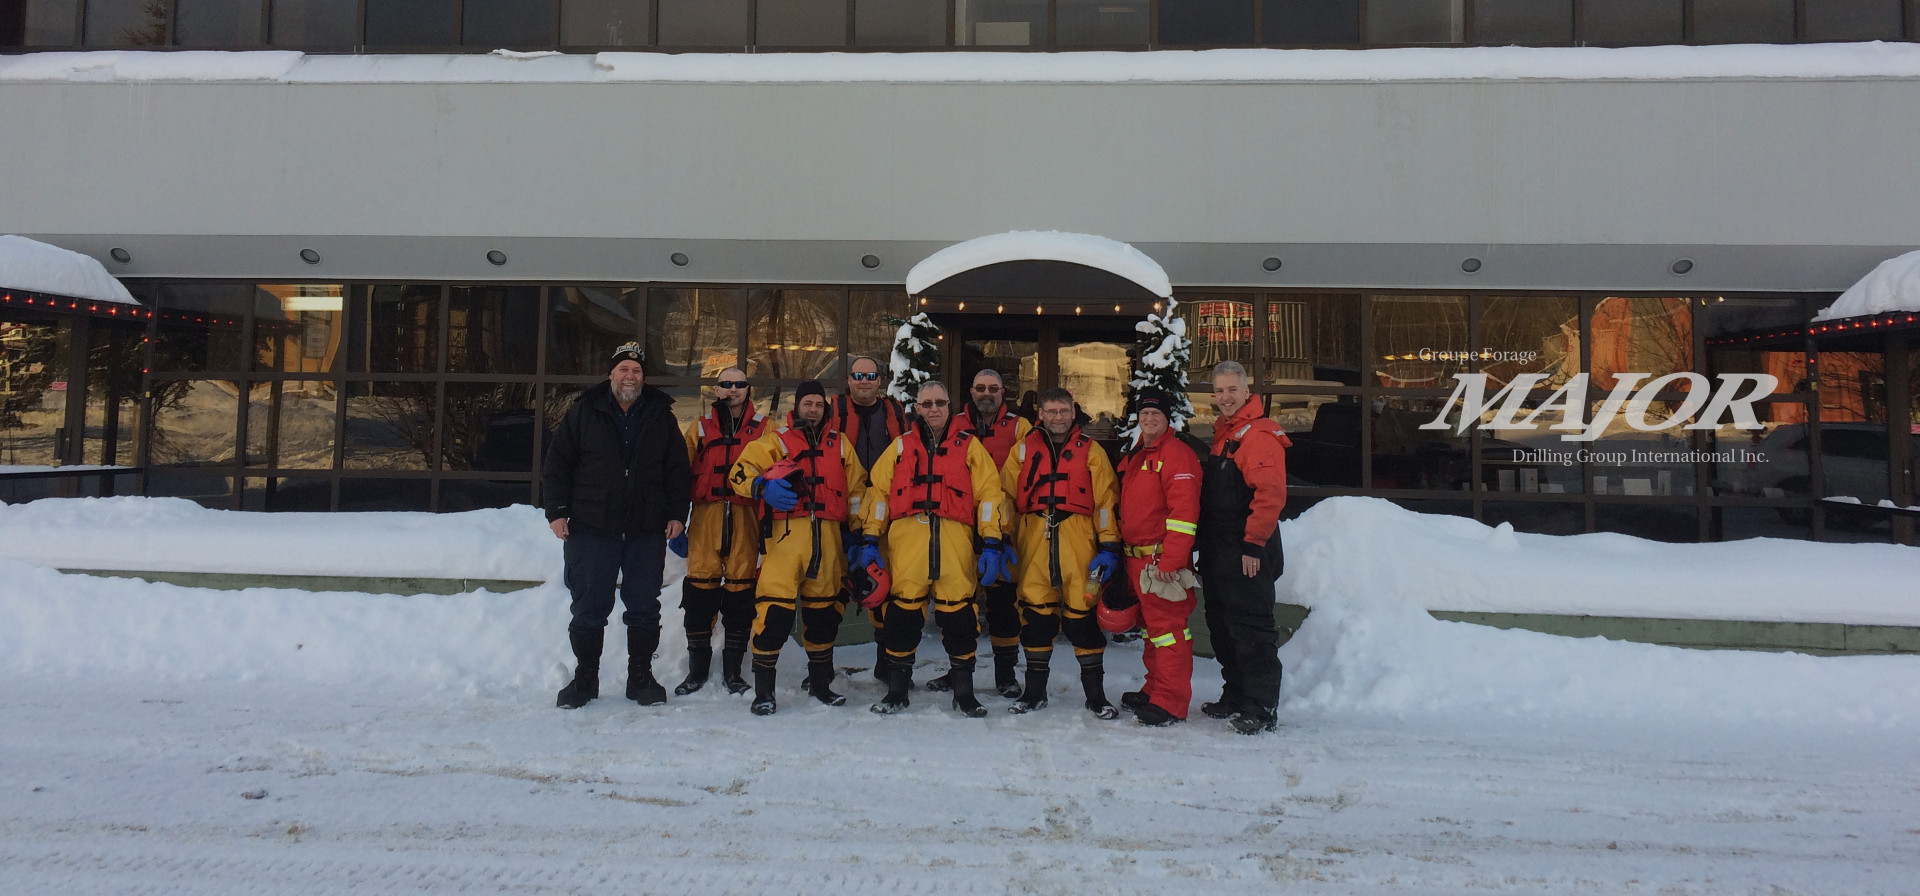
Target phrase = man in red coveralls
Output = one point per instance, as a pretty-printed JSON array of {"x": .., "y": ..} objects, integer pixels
[
  {"x": 1244, "y": 488},
  {"x": 1159, "y": 512}
]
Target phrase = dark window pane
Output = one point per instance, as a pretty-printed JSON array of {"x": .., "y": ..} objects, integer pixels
[
  {"x": 793, "y": 333},
  {"x": 1732, "y": 523},
  {"x": 297, "y": 327},
  {"x": 586, "y": 323},
  {"x": 1321, "y": 23},
  {"x": 900, "y": 23},
  {"x": 1646, "y": 335},
  {"x": 290, "y": 424},
  {"x": 1413, "y": 21},
  {"x": 127, "y": 23},
  {"x": 194, "y": 423},
  {"x": 38, "y": 23},
  {"x": 802, "y": 23},
  {"x": 606, "y": 23},
  {"x": 493, "y": 329},
  {"x": 458, "y": 495},
  {"x": 1669, "y": 523},
  {"x": 1325, "y": 430},
  {"x": 692, "y": 332},
  {"x": 1742, "y": 21},
  {"x": 1206, "y": 22},
  {"x": 1420, "y": 341},
  {"x": 282, "y": 494},
  {"x": 1539, "y": 517},
  {"x": 385, "y": 494},
  {"x": 200, "y": 326},
  {"x": 1000, "y": 23},
  {"x": 704, "y": 23},
  {"x": 1221, "y": 328},
  {"x": 1837, "y": 20},
  {"x": 32, "y": 410},
  {"x": 315, "y": 23},
  {"x": 1498, "y": 22},
  {"x": 488, "y": 426},
  {"x": 491, "y": 24},
  {"x": 389, "y": 426},
  {"x": 872, "y": 319},
  {"x": 396, "y": 329},
  {"x": 1101, "y": 23},
  {"x": 217, "y": 23},
  {"x": 1406, "y": 456},
  {"x": 412, "y": 23},
  {"x": 215, "y": 492},
  {"x": 1630, "y": 21}
]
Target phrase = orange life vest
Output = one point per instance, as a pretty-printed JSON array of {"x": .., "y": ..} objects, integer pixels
[
  {"x": 940, "y": 483},
  {"x": 999, "y": 435},
  {"x": 1052, "y": 481},
  {"x": 824, "y": 490},
  {"x": 842, "y": 416},
  {"x": 716, "y": 454}
]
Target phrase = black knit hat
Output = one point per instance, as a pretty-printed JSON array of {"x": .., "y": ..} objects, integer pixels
[
  {"x": 631, "y": 351},
  {"x": 810, "y": 387},
  {"x": 1158, "y": 399}
]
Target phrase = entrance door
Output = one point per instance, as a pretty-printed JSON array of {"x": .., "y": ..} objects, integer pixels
[{"x": 1086, "y": 356}]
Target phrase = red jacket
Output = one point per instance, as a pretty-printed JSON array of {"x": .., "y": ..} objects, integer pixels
[
  {"x": 939, "y": 482},
  {"x": 826, "y": 482},
  {"x": 1045, "y": 483},
  {"x": 1160, "y": 499},
  {"x": 714, "y": 454},
  {"x": 998, "y": 435},
  {"x": 1261, "y": 454}
]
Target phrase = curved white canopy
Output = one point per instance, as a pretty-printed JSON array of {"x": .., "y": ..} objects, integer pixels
[
  {"x": 1098, "y": 252},
  {"x": 35, "y": 266},
  {"x": 1893, "y": 285}
]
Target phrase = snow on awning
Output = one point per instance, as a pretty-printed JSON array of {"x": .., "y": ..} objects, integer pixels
[
  {"x": 1083, "y": 249},
  {"x": 32, "y": 266},
  {"x": 1894, "y": 285}
]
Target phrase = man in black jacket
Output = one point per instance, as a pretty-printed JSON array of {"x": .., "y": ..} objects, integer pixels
[{"x": 616, "y": 485}]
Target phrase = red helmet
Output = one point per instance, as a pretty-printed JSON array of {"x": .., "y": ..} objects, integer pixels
[
  {"x": 787, "y": 469},
  {"x": 869, "y": 585}
]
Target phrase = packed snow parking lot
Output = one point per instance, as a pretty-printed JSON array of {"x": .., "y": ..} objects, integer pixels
[{"x": 158, "y": 739}]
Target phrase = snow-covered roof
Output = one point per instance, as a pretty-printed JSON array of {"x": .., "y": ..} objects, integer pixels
[
  {"x": 1893, "y": 285},
  {"x": 1823, "y": 61},
  {"x": 33, "y": 266},
  {"x": 1098, "y": 252}
]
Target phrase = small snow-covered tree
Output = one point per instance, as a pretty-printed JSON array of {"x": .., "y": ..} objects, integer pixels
[
  {"x": 1161, "y": 355},
  {"x": 916, "y": 356}
]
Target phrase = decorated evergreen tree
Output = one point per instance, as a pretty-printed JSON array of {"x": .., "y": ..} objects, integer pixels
[
  {"x": 1160, "y": 361},
  {"x": 916, "y": 356}
]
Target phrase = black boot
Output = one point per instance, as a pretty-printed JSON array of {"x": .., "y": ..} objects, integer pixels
[
  {"x": 763, "y": 675},
  {"x": 732, "y": 654},
  {"x": 819, "y": 681},
  {"x": 899, "y": 682},
  {"x": 586, "y": 671},
  {"x": 1035, "y": 695},
  {"x": 881, "y": 663},
  {"x": 1153, "y": 716},
  {"x": 1093, "y": 680},
  {"x": 1254, "y": 720},
  {"x": 1133, "y": 699},
  {"x": 641, "y": 688},
  {"x": 1223, "y": 708},
  {"x": 1004, "y": 678},
  {"x": 941, "y": 683},
  {"x": 961, "y": 675},
  {"x": 699, "y": 660}
]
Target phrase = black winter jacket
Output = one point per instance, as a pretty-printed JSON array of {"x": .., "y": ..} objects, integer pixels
[{"x": 591, "y": 479}]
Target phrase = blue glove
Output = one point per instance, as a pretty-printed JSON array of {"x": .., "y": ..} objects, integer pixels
[
  {"x": 994, "y": 565},
  {"x": 678, "y": 545},
  {"x": 1105, "y": 566},
  {"x": 867, "y": 552},
  {"x": 779, "y": 494}
]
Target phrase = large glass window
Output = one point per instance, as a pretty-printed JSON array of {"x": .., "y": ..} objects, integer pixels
[
  {"x": 1100, "y": 23},
  {"x": 1408, "y": 457},
  {"x": 1220, "y": 326},
  {"x": 1742, "y": 21},
  {"x": 1500, "y": 22},
  {"x": 200, "y": 326},
  {"x": 297, "y": 327},
  {"x": 801, "y": 23},
  {"x": 873, "y": 316},
  {"x": 1325, "y": 430},
  {"x": 1415, "y": 21},
  {"x": 1421, "y": 341},
  {"x": 127, "y": 23},
  {"x": 793, "y": 333},
  {"x": 33, "y": 358},
  {"x": 586, "y": 323},
  {"x": 1631, "y": 21},
  {"x": 389, "y": 426},
  {"x": 290, "y": 424},
  {"x": 606, "y": 23},
  {"x": 1651, "y": 336},
  {"x": 693, "y": 332},
  {"x": 396, "y": 330},
  {"x": 412, "y": 23},
  {"x": 488, "y": 426},
  {"x": 704, "y": 23},
  {"x": 506, "y": 23},
  {"x": 195, "y": 423},
  {"x": 493, "y": 329},
  {"x": 1848, "y": 20},
  {"x": 315, "y": 23},
  {"x": 1310, "y": 23},
  {"x": 1206, "y": 22},
  {"x": 39, "y": 23},
  {"x": 217, "y": 23},
  {"x": 1000, "y": 23},
  {"x": 900, "y": 23}
]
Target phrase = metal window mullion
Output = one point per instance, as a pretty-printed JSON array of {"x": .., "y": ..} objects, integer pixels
[
  {"x": 1368, "y": 389},
  {"x": 1475, "y": 471},
  {"x": 340, "y": 389},
  {"x": 1588, "y": 305}
]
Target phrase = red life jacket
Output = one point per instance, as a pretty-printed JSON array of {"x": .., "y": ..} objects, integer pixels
[
  {"x": 716, "y": 452},
  {"x": 1055, "y": 481},
  {"x": 940, "y": 483},
  {"x": 842, "y": 416},
  {"x": 824, "y": 490},
  {"x": 999, "y": 434}
]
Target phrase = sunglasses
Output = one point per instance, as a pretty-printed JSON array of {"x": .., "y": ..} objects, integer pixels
[
  {"x": 732, "y": 384},
  {"x": 987, "y": 389},
  {"x": 865, "y": 376},
  {"x": 933, "y": 403}
]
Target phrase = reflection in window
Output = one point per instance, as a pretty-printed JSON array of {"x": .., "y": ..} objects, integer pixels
[
  {"x": 194, "y": 422},
  {"x": 1742, "y": 21},
  {"x": 1325, "y": 430},
  {"x": 33, "y": 356},
  {"x": 506, "y": 23},
  {"x": 1220, "y": 326},
  {"x": 1206, "y": 22},
  {"x": 1016, "y": 360},
  {"x": 493, "y": 329},
  {"x": 43, "y": 23},
  {"x": 488, "y": 426},
  {"x": 386, "y": 495},
  {"x": 1849, "y": 20},
  {"x": 1406, "y": 456},
  {"x": 287, "y": 494},
  {"x": 290, "y": 424},
  {"x": 461, "y": 495},
  {"x": 872, "y": 318},
  {"x": 793, "y": 333},
  {"x": 1500, "y": 22},
  {"x": 1649, "y": 336},
  {"x": 114, "y": 363},
  {"x": 1771, "y": 463},
  {"x": 217, "y": 23},
  {"x": 704, "y": 23},
  {"x": 396, "y": 330},
  {"x": 200, "y": 326},
  {"x": 1421, "y": 341},
  {"x": 315, "y": 23},
  {"x": 900, "y": 23},
  {"x": 412, "y": 23},
  {"x": 1784, "y": 359},
  {"x": 1096, "y": 373},
  {"x": 1415, "y": 21},
  {"x": 1000, "y": 23},
  {"x": 1100, "y": 23},
  {"x": 1529, "y": 334},
  {"x": 1676, "y": 524},
  {"x": 1204, "y": 414},
  {"x": 213, "y": 492},
  {"x": 296, "y": 327},
  {"x": 586, "y": 323},
  {"x": 127, "y": 23},
  {"x": 1310, "y": 23},
  {"x": 1312, "y": 340},
  {"x": 389, "y": 426},
  {"x": 801, "y": 23},
  {"x": 606, "y": 23},
  {"x": 693, "y": 332},
  {"x": 1853, "y": 387},
  {"x": 1630, "y": 21},
  {"x": 1643, "y": 451}
]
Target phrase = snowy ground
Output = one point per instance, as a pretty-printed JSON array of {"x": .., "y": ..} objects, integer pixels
[{"x": 156, "y": 739}]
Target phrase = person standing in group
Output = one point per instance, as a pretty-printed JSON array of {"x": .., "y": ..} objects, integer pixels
[
  {"x": 722, "y": 543},
  {"x": 932, "y": 489},
  {"x": 1242, "y": 493},
  {"x": 812, "y": 484},
  {"x": 1159, "y": 514},
  {"x": 871, "y": 421},
  {"x": 616, "y": 486},
  {"x": 999, "y": 429},
  {"x": 1062, "y": 487}
]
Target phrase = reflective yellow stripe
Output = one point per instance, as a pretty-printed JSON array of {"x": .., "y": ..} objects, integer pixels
[
  {"x": 1165, "y": 640},
  {"x": 1182, "y": 526},
  {"x": 1186, "y": 634}
]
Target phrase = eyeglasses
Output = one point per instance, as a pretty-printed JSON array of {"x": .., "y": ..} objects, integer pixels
[
  {"x": 863, "y": 375},
  {"x": 732, "y": 384},
  {"x": 933, "y": 402},
  {"x": 987, "y": 389}
]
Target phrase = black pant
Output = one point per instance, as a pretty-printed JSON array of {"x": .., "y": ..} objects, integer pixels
[
  {"x": 1239, "y": 612},
  {"x": 595, "y": 562}
]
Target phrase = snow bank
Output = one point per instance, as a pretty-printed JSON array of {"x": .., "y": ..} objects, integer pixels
[
  {"x": 34, "y": 266},
  {"x": 1893, "y": 285},
  {"x": 1098, "y": 252}
]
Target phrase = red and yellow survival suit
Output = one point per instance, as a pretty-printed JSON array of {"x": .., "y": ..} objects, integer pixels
[
  {"x": 1160, "y": 510},
  {"x": 723, "y": 544}
]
